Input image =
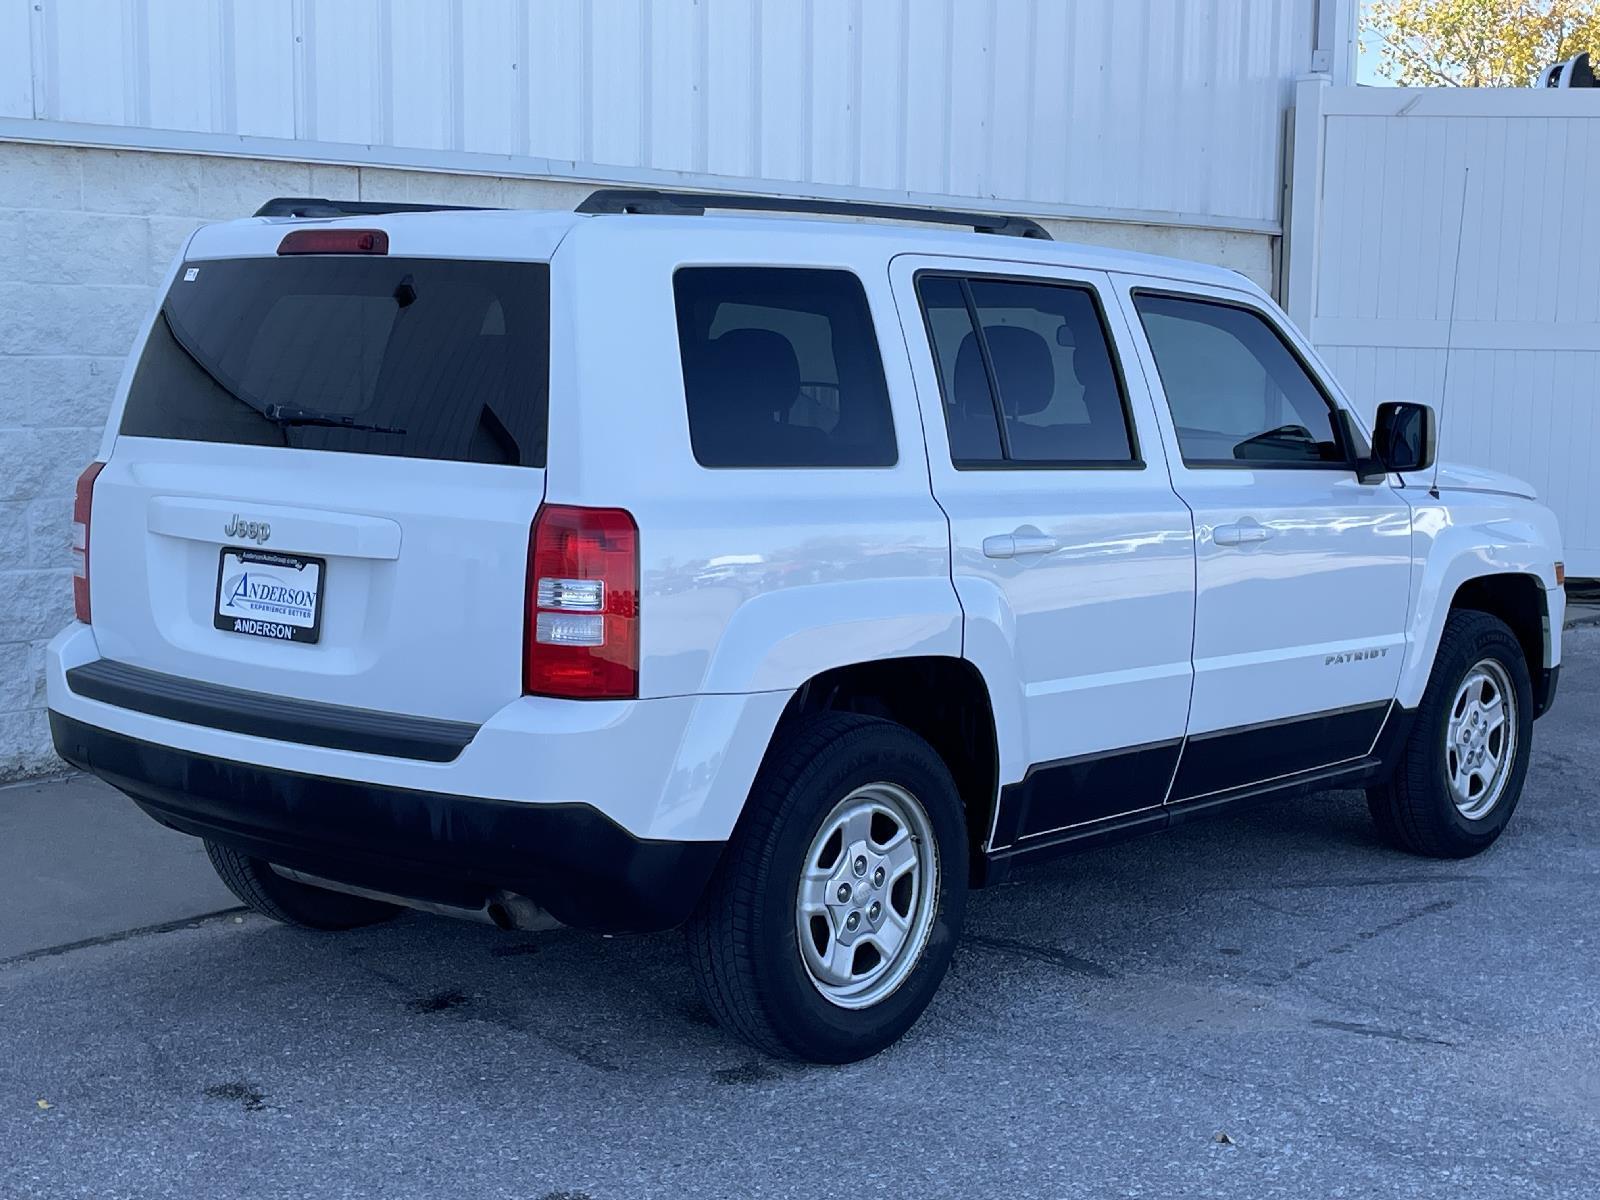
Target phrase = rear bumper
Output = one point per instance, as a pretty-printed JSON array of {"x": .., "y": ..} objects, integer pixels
[
  {"x": 673, "y": 768},
  {"x": 584, "y": 869}
]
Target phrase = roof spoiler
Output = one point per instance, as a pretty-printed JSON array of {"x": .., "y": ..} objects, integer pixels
[{"x": 315, "y": 206}]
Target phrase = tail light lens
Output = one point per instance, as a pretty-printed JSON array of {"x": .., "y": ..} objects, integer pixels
[
  {"x": 582, "y": 636},
  {"x": 82, "y": 502}
]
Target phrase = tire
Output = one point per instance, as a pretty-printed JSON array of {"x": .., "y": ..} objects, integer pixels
[
  {"x": 745, "y": 940},
  {"x": 261, "y": 888},
  {"x": 1419, "y": 810}
]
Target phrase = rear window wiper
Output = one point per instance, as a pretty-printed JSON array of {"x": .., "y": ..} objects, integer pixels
[
  {"x": 205, "y": 369},
  {"x": 283, "y": 415}
]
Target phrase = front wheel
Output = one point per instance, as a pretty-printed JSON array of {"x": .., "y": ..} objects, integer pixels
[
  {"x": 834, "y": 913},
  {"x": 1461, "y": 771}
]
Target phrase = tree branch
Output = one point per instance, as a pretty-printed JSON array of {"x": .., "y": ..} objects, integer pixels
[{"x": 1408, "y": 58}]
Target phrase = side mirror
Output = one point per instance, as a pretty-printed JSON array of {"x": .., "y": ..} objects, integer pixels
[
  {"x": 1367, "y": 467},
  {"x": 1404, "y": 436}
]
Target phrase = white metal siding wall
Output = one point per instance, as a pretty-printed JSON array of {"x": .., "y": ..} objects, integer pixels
[
  {"x": 1168, "y": 107},
  {"x": 1525, "y": 364}
]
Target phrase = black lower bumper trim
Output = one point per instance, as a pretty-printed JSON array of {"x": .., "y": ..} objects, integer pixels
[{"x": 583, "y": 868}]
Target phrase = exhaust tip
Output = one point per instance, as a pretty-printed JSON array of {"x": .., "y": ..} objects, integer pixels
[{"x": 510, "y": 910}]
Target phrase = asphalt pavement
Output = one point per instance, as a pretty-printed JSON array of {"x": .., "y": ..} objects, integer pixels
[
  {"x": 80, "y": 863},
  {"x": 1268, "y": 1004}
]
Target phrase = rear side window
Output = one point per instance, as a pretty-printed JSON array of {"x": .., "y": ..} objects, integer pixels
[
  {"x": 1237, "y": 392},
  {"x": 421, "y": 358},
  {"x": 1033, "y": 382},
  {"x": 781, "y": 369}
]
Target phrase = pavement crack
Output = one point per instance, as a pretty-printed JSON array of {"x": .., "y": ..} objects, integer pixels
[
  {"x": 1274, "y": 908},
  {"x": 516, "y": 1021},
  {"x": 111, "y": 938},
  {"x": 1393, "y": 1035},
  {"x": 1045, "y": 954},
  {"x": 1357, "y": 882},
  {"x": 1367, "y": 935}
]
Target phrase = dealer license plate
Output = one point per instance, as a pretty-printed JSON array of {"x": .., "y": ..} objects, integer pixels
[{"x": 266, "y": 594}]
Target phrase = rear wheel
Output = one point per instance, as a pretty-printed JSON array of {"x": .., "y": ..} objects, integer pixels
[
  {"x": 255, "y": 882},
  {"x": 833, "y": 915},
  {"x": 1461, "y": 771}
]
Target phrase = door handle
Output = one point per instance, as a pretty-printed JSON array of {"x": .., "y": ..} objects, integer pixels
[
  {"x": 1243, "y": 533},
  {"x": 1015, "y": 545}
]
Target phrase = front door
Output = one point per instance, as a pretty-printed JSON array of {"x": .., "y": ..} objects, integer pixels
[
  {"x": 1071, "y": 554},
  {"x": 1302, "y": 571}
]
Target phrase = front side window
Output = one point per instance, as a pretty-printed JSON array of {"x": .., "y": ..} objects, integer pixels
[
  {"x": 1237, "y": 392},
  {"x": 1026, "y": 374},
  {"x": 781, "y": 368}
]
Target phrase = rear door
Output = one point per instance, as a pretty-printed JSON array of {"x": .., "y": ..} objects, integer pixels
[
  {"x": 1303, "y": 571},
  {"x": 1072, "y": 557},
  {"x": 323, "y": 480}
]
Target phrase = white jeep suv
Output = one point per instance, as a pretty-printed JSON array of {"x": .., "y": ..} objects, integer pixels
[{"x": 776, "y": 577}]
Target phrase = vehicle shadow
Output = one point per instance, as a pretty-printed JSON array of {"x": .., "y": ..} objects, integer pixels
[{"x": 1240, "y": 895}]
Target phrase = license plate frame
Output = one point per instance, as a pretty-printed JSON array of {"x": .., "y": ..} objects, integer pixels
[{"x": 276, "y": 615}]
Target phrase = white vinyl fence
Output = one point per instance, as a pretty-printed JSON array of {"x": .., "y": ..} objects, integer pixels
[{"x": 1384, "y": 181}]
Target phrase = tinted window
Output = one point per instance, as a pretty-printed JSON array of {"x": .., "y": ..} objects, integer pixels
[
  {"x": 1044, "y": 350},
  {"x": 781, "y": 369},
  {"x": 969, "y": 414},
  {"x": 441, "y": 359},
  {"x": 1236, "y": 391}
]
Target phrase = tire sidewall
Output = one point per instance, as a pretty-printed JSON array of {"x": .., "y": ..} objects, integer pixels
[{"x": 801, "y": 1015}]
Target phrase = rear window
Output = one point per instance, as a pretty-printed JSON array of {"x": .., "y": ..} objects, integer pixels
[
  {"x": 781, "y": 369},
  {"x": 420, "y": 358},
  {"x": 1041, "y": 360}
]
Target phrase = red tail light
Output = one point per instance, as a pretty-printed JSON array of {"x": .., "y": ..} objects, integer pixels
[
  {"x": 335, "y": 241},
  {"x": 582, "y": 637},
  {"x": 82, "y": 502}
]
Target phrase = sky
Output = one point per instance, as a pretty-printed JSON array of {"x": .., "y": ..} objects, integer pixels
[{"x": 1367, "y": 62}]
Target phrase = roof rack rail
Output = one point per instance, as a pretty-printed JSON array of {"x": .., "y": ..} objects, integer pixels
[
  {"x": 315, "y": 206},
  {"x": 694, "y": 204}
]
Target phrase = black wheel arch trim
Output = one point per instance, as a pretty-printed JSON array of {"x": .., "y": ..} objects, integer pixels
[{"x": 1545, "y": 682}]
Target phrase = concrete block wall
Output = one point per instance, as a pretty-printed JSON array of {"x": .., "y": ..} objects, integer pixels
[{"x": 85, "y": 237}]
